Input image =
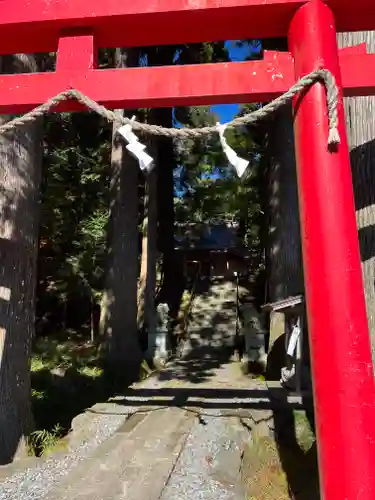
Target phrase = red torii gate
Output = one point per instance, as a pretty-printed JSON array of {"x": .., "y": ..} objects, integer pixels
[{"x": 343, "y": 380}]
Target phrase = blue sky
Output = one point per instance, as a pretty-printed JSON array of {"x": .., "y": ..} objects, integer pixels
[{"x": 226, "y": 112}]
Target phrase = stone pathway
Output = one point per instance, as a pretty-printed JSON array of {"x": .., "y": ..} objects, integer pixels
[{"x": 179, "y": 435}]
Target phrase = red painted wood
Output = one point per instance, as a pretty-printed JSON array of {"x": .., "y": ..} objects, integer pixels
[
  {"x": 344, "y": 387},
  {"x": 355, "y": 70},
  {"x": 153, "y": 87},
  {"x": 76, "y": 52},
  {"x": 349, "y": 14},
  {"x": 35, "y": 26},
  {"x": 254, "y": 81}
]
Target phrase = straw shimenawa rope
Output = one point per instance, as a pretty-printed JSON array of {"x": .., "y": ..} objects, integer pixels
[{"x": 320, "y": 75}]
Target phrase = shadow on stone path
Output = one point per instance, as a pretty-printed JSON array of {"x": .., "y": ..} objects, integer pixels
[{"x": 179, "y": 435}]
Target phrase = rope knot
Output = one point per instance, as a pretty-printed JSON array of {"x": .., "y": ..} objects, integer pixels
[{"x": 332, "y": 101}]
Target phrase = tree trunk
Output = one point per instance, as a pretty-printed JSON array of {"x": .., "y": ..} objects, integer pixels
[
  {"x": 284, "y": 257},
  {"x": 360, "y": 121},
  {"x": 173, "y": 284},
  {"x": 119, "y": 306},
  {"x": 283, "y": 248},
  {"x": 285, "y": 275},
  {"x": 92, "y": 319},
  {"x": 284, "y": 260},
  {"x": 166, "y": 163},
  {"x": 21, "y": 158},
  {"x": 147, "y": 279}
]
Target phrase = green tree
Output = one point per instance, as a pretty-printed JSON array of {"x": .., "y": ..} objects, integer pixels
[
  {"x": 211, "y": 189},
  {"x": 74, "y": 217},
  {"x": 167, "y": 162}
]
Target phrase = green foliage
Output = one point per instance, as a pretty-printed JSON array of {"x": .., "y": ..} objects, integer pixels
[
  {"x": 75, "y": 196},
  {"x": 65, "y": 351},
  {"x": 74, "y": 209},
  {"x": 66, "y": 378},
  {"x": 74, "y": 215},
  {"x": 211, "y": 190},
  {"x": 43, "y": 442}
]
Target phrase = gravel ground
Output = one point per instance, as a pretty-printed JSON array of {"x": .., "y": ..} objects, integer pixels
[
  {"x": 209, "y": 465},
  {"x": 35, "y": 483}
]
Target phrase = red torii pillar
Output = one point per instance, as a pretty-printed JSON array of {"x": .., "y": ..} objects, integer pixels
[{"x": 343, "y": 381}]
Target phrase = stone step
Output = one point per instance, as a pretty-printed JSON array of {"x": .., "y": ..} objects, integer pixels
[{"x": 133, "y": 464}]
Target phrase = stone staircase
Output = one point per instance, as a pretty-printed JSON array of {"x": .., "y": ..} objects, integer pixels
[{"x": 213, "y": 315}]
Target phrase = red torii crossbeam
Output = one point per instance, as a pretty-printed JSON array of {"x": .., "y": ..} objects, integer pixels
[
  {"x": 242, "y": 82},
  {"x": 120, "y": 23},
  {"x": 343, "y": 381}
]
